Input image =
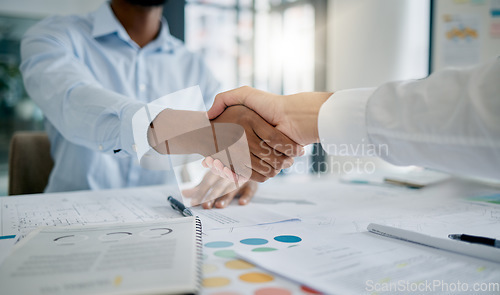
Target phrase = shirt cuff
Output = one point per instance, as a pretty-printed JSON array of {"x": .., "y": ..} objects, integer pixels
[
  {"x": 342, "y": 123},
  {"x": 126, "y": 131}
]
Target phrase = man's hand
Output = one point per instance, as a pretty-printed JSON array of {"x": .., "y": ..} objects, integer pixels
[
  {"x": 270, "y": 150},
  {"x": 295, "y": 115},
  {"x": 218, "y": 192},
  {"x": 238, "y": 139}
]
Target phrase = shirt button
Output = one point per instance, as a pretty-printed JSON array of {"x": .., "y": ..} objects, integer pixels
[
  {"x": 142, "y": 87},
  {"x": 100, "y": 147}
]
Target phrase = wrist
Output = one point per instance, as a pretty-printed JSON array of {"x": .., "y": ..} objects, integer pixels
[
  {"x": 303, "y": 110},
  {"x": 181, "y": 132}
]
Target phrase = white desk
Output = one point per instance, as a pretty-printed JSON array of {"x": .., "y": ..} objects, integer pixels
[{"x": 323, "y": 205}]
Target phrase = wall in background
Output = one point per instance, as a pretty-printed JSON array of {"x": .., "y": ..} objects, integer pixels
[
  {"x": 374, "y": 41},
  {"x": 371, "y": 42},
  {"x": 43, "y": 8}
]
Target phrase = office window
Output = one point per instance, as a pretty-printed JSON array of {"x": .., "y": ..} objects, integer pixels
[
  {"x": 17, "y": 111},
  {"x": 273, "y": 45},
  {"x": 284, "y": 46},
  {"x": 268, "y": 44},
  {"x": 222, "y": 31}
]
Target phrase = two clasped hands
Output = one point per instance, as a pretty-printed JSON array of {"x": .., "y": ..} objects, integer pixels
[
  {"x": 251, "y": 137},
  {"x": 294, "y": 117}
]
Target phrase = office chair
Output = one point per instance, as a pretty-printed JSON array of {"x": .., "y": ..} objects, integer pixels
[{"x": 30, "y": 162}]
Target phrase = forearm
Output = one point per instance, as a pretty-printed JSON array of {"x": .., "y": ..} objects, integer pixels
[
  {"x": 72, "y": 100},
  {"x": 303, "y": 110},
  {"x": 448, "y": 122},
  {"x": 181, "y": 132}
]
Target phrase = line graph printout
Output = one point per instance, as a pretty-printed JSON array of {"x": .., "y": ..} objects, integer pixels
[{"x": 22, "y": 214}]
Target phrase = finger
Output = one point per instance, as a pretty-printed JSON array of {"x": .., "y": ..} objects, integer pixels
[
  {"x": 219, "y": 167},
  {"x": 197, "y": 192},
  {"x": 209, "y": 161},
  {"x": 225, "y": 200},
  {"x": 200, "y": 191},
  {"x": 225, "y": 99},
  {"x": 230, "y": 175},
  {"x": 219, "y": 189},
  {"x": 259, "y": 171},
  {"x": 274, "y": 158},
  {"x": 262, "y": 167},
  {"x": 215, "y": 172},
  {"x": 207, "y": 205},
  {"x": 247, "y": 193},
  {"x": 242, "y": 180},
  {"x": 234, "y": 177},
  {"x": 256, "y": 176},
  {"x": 278, "y": 141},
  {"x": 266, "y": 104}
]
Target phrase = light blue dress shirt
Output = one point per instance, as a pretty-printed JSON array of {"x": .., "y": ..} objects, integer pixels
[{"x": 89, "y": 78}]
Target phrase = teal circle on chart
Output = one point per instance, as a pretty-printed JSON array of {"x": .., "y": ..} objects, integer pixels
[
  {"x": 288, "y": 239},
  {"x": 264, "y": 249},
  {"x": 254, "y": 241},
  {"x": 218, "y": 244}
]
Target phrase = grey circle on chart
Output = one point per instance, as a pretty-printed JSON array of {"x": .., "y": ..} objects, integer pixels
[
  {"x": 156, "y": 232},
  {"x": 115, "y": 236},
  {"x": 70, "y": 239}
]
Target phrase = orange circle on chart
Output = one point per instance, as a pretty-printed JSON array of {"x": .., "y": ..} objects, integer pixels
[
  {"x": 239, "y": 264},
  {"x": 309, "y": 290},
  {"x": 216, "y": 282},
  {"x": 256, "y": 277},
  {"x": 272, "y": 291}
]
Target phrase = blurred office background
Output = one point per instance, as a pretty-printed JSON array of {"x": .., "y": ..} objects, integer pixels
[{"x": 282, "y": 46}]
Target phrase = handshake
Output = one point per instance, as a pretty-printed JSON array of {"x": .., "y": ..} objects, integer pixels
[{"x": 251, "y": 136}]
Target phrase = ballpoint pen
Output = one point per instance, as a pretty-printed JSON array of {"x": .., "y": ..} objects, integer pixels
[
  {"x": 176, "y": 205},
  {"x": 476, "y": 240}
]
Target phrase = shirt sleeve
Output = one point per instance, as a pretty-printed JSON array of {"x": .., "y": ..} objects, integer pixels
[
  {"x": 195, "y": 98},
  {"x": 449, "y": 121},
  {"x": 72, "y": 100}
]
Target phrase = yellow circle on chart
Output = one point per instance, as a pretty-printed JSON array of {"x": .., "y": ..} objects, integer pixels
[
  {"x": 216, "y": 282},
  {"x": 118, "y": 280},
  {"x": 209, "y": 268},
  {"x": 256, "y": 277},
  {"x": 239, "y": 264}
]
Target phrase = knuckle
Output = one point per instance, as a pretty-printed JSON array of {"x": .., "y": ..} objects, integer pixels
[
  {"x": 273, "y": 137},
  {"x": 275, "y": 172},
  {"x": 259, "y": 177}
]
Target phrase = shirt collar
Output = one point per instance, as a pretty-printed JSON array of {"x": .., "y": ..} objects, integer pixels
[{"x": 106, "y": 23}]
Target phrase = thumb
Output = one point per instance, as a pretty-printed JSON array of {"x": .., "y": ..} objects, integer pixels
[
  {"x": 261, "y": 102},
  {"x": 225, "y": 99}
]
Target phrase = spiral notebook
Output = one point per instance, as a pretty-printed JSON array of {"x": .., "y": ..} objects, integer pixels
[{"x": 135, "y": 258}]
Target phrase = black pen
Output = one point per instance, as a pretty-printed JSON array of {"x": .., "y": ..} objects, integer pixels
[
  {"x": 179, "y": 207},
  {"x": 476, "y": 240}
]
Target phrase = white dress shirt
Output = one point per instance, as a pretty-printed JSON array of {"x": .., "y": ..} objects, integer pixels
[
  {"x": 449, "y": 121},
  {"x": 90, "y": 78}
]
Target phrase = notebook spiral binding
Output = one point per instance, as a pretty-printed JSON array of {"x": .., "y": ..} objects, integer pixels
[{"x": 199, "y": 251}]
